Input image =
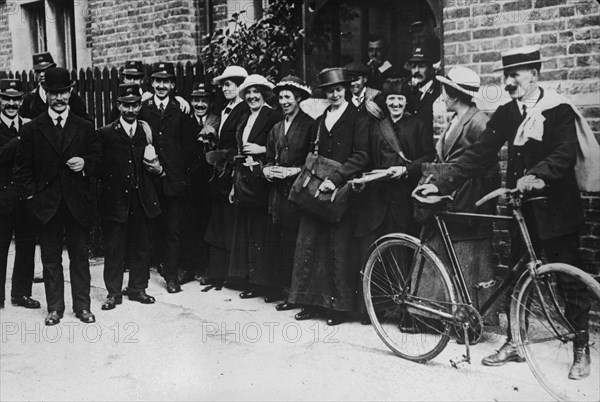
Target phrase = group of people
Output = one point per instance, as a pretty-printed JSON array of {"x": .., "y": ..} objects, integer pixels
[{"x": 206, "y": 193}]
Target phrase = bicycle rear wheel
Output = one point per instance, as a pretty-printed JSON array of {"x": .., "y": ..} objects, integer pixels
[
  {"x": 406, "y": 290},
  {"x": 546, "y": 338}
]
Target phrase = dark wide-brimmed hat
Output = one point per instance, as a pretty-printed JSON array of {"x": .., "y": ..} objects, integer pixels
[
  {"x": 163, "y": 70},
  {"x": 11, "y": 88},
  {"x": 293, "y": 83},
  {"x": 134, "y": 68},
  {"x": 394, "y": 86},
  {"x": 202, "y": 90},
  {"x": 333, "y": 76},
  {"x": 462, "y": 79},
  {"x": 129, "y": 93},
  {"x": 57, "y": 79},
  {"x": 521, "y": 57},
  {"x": 43, "y": 61},
  {"x": 356, "y": 69},
  {"x": 422, "y": 55}
]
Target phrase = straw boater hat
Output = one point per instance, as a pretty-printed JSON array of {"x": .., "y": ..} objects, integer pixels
[
  {"x": 463, "y": 79},
  {"x": 291, "y": 82},
  {"x": 129, "y": 93},
  {"x": 333, "y": 76},
  {"x": 11, "y": 88},
  {"x": 231, "y": 72},
  {"x": 519, "y": 57},
  {"x": 57, "y": 79},
  {"x": 255, "y": 80}
]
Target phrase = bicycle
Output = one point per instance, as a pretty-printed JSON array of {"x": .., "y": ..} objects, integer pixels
[{"x": 416, "y": 303}]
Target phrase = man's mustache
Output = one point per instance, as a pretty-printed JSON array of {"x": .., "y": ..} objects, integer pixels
[
  {"x": 200, "y": 107},
  {"x": 11, "y": 107},
  {"x": 417, "y": 75},
  {"x": 510, "y": 88}
]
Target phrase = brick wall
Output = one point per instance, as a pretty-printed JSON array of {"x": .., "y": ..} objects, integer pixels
[
  {"x": 143, "y": 29},
  {"x": 5, "y": 39},
  {"x": 568, "y": 32}
]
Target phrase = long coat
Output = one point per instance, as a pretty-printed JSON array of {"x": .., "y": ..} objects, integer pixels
[
  {"x": 33, "y": 105},
  {"x": 326, "y": 265},
  {"x": 250, "y": 250},
  {"x": 172, "y": 133},
  {"x": 423, "y": 107},
  {"x": 9, "y": 142},
  {"x": 42, "y": 173},
  {"x": 124, "y": 174},
  {"x": 388, "y": 202},
  {"x": 552, "y": 160}
]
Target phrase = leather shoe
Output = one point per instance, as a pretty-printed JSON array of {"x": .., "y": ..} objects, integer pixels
[
  {"x": 53, "y": 318},
  {"x": 273, "y": 297},
  {"x": 365, "y": 320},
  {"x": 25, "y": 301},
  {"x": 186, "y": 277},
  {"x": 173, "y": 287},
  {"x": 581, "y": 363},
  {"x": 204, "y": 280},
  {"x": 85, "y": 316},
  {"x": 248, "y": 294},
  {"x": 2, "y": 304},
  {"x": 111, "y": 302},
  {"x": 306, "y": 314},
  {"x": 507, "y": 353},
  {"x": 335, "y": 318},
  {"x": 142, "y": 297},
  {"x": 285, "y": 306},
  {"x": 38, "y": 279}
]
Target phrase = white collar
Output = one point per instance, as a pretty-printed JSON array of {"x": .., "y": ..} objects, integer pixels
[
  {"x": 127, "y": 126},
  {"x": 232, "y": 104},
  {"x": 361, "y": 94},
  {"x": 159, "y": 102},
  {"x": 531, "y": 101},
  {"x": 42, "y": 93},
  {"x": 8, "y": 121},
  {"x": 426, "y": 87},
  {"x": 64, "y": 115}
]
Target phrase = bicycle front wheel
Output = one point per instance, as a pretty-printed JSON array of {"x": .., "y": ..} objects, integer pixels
[
  {"x": 551, "y": 316},
  {"x": 409, "y": 297}
]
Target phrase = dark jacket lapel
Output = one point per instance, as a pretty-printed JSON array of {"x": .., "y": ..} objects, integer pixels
[
  {"x": 342, "y": 118},
  {"x": 259, "y": 124},
  {"x": 69, "y": 131},
  {"x": 47, "y": 128},
  {"x": 451, "y": 138}
]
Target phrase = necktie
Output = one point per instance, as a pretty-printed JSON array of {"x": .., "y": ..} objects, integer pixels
[
  {"x": 227, "y": 110},
  {"x": 162, "y": 108},
  {"x": 130, "y": 132},
  {"x": 524, "y": 111},
  {"x": 58, "y": 125},
  {"x": 13, "y": 127}
]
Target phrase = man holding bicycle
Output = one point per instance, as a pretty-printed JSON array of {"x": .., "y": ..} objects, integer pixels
[{"x": 540, "y": 128}]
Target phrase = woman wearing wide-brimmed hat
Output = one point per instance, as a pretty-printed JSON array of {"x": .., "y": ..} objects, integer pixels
[
  {"x": 326, "y": 268},
  {"x": 220, "y": 226},
  {"x": 249, "y": 249},
  {"x": 287, "y": 147}
]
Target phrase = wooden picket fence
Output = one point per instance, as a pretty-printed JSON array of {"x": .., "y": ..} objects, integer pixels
[{"x": 98, "y": 87}]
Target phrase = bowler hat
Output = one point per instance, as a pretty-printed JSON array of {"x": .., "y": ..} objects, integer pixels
[
  {"x": 422, "y": 55},
  {"x": 163, "y": 70},
  {"x": 255, "y": 80},
  {"x": 356, "y": 68},
  {"x": 291, "y": 82},
  {"x": 202, "y": 90},
  {"x": 333, "y": 76},
  {"x": 134, "y": 68},
  {"x": 231, "y": 72},
  {"x": 57, "y": 79},
  {"x": 43, "y": 61},
  {"x": 463, "y": 79},
  {"x": 11, "y": 88},
  {"x": 129, "y": 93},
  {"x": 520, "y": 57}
]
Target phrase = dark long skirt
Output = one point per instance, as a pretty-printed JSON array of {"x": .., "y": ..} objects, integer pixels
[
  {"x": 219, "y": 234},
  {"x": 326, "y": 266}
]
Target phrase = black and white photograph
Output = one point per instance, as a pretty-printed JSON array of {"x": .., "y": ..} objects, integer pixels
[{"x": 277, "y": 200}]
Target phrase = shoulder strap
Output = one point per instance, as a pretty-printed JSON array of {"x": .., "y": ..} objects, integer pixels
[
  {"x": 316, "y": 150},
  {"x": 147, "y": 131},
  {"x": 390, "y": 136}
]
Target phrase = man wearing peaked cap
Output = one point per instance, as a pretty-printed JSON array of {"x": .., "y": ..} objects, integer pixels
[
  {"x": 360, "y": 91},
  {"x": 172, "y": 132},
  {"x": 58, "y": 153},
  {"x": 13, "y": 214},
  {"x": 545, "y": 134},
  {"x": 36, "y": 102},
  {"x": 425, "y": 89},
  {"x": 194, "y": 250},
  {"x": 127, "y": 199}
]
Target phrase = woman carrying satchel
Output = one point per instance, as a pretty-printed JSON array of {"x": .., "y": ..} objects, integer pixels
[{"x": 325, "y": 262}]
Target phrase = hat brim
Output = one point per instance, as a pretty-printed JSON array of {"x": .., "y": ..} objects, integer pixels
[
  {"x": 243, "y": 88},
  {"x": 163, "y": 75},
  {"x": 523, "y": 63},
  {"x": 421, "y": 60},
  {"x": 13, "y": 94},
  {"x": 133, "y": 73},
  {"x": 304, "y": 92},
  {"x": 454, "y": 85},
  {"x": 129, "y": 99},
  {"x": 198, "y": 94},
  {"x": 57, "y": 89},
  {"x": 43, "y": 67},
  {"x": 341, "y": 82},
  {"x": 220, "y": 78}
]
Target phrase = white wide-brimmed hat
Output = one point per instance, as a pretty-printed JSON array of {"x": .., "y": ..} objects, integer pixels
[
  {"x": 255, "y": 80},
  {"x": 463, "y": 79},
  {"x": 231, "y": 72}
]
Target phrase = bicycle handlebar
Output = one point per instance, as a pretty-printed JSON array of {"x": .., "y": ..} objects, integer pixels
[{"x": 504, "y": 191}]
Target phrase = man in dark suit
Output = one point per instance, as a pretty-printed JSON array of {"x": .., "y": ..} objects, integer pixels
[
  {"x": 172, "y": 133},
  {"x": 425, "y": 89},
  {"x": 540, "y": 159},
  {"x": 35, "y": 102},
  {"x": 58, "y": 152},
  {"x": 380, "y": 67},
  {"x": 194, "y": 250},
  {"x": 361, "y": 93},
  {"x": 127, "y": 200},
  {"x": 13, "y": 216}
]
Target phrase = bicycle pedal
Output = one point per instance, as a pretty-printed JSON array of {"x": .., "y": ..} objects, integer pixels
[{"x": 456, "y": 363}]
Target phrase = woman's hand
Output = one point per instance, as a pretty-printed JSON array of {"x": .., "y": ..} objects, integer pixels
[
  {"x": 396, "y": 172},
  {"x": 232, "y": 195},
  {"x": 251, "y": 148}
]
